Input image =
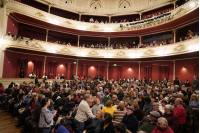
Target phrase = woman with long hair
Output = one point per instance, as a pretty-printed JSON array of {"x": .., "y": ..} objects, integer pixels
[
  {"x": 107, "y": 124},
  {"x": 46, "y": 116}
]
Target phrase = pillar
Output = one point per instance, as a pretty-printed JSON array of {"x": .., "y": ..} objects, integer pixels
[
  {"x": 45, "y": 57},
  {"x": 140, "y": 39},
  {"x": 174, "y": 69},
  {"x": 174, "y": 3},
  {"x": 107, "y": 68},
  {"x": 3, "y": 27},
  {"x": 78, "y": 40},
  {"x": 47, "y": 31},
  {"x": 109, "y": 18},
  {"x": 49, "y": 9},
  {"x": 76, "y": 66},
  {"x": 139, "y": 69},
  {"x": 80, "y": 16},
  {"x": 108, "y": 42},
  {"x": 174, "y": 35},
  {"x": 140, "y": 13}
]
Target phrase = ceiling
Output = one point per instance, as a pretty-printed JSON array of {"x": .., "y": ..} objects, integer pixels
[
  {"x": 189, "y": 18},
  {"x": 107, "y": 7}
]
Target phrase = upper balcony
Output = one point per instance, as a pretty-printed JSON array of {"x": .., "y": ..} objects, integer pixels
[
  {"x": 178, "y": 17},
  {"x": 184, "y": 47}
]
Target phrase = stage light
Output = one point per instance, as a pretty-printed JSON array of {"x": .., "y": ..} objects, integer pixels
[
  {"x": 31, "y": 39},
  {"x": 26, "y": 42}
]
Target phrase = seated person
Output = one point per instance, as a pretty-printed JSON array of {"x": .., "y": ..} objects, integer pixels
[
  {"x": 194, "y": 102},
  {"x": 130, "y": 120},
  {"x": 148, "y": 104},
  {"x": 32, "y": 75},
  {"x": 171, "y": 118},
  {"x": 94, "y": 127},
  {"x": 180, "y": 111},
  {"x": 120, "y": 128},
  {"x": 189, "y": 112},
  {"x": 119, "y": 113},
  {"x": 149, "y": 123},
  {"x": 162, "y": 126},
  {"x": 155, "y": 108},
  {"x": 109, "y": 108},
  {"x": 107, "y": 125},
  {"x": 96, "y": 106}
]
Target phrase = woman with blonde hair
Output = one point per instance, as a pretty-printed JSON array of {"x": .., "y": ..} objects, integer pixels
[
  {"x": 194, "y": 102},
  {"x": 109, "y": 108},
  {"x": 137, "y": 112},
  {"x": 119, "y": 113}
]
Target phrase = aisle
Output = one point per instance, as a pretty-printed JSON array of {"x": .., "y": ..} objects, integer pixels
[{"x": 7, "y": 123}]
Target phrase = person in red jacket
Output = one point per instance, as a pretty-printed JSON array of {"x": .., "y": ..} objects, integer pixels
[
  {"x": 171, "y": 118},
  {"x": 179, "y": 111},
  {"x": 162, "y": 126}
]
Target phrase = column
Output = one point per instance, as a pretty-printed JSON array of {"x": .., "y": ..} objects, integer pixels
[
  {"x": 109, "y": 18},
  {"x": 174, "y": 4},
  {"x": 174, "y": 35},
  {"x": 140, "y": 40},
  {"x": 3, "y": 27},
  {"x": 140, "y": 13},
  {"x": 49, "y": 9},
  {"x": 107, "y": 68},
  {"x": 108, "y": 42},
  {"x": 78, "y": 40},
  {"x": 139, "y": 69},
  {"x": 80, "y": 16},
  {"x": 76, "y": 66},
  {"x": 174, "y": 70},
  {"x": 47, "y": 31},
  {"x": 45, "y": 57}
]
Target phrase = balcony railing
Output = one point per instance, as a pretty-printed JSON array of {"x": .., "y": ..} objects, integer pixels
[
  {"x": 13, "y": 6},
  {"x": 183, "y": 47}
]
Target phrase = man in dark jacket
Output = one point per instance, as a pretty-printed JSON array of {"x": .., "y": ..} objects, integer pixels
[
  {"x": 171, "y": 118},
  {"x": 149, "y": 123},
  {"x": 176, "y": 81},
  {"x": 130, "y": 120}
]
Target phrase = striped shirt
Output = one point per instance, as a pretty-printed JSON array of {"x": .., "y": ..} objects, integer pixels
[{"x": 117, "y": 116}]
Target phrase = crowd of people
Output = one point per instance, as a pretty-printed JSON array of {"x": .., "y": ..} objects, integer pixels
[{"x": 98, "y": 105}]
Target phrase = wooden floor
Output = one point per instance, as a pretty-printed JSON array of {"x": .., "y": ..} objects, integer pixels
[{"x": 7, "y": 123}]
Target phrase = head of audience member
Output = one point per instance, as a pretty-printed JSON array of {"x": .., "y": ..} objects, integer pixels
[
  {"x": 106, "y": 93},
  {"x": 99, "y": 114},
  {"x": 88, "y": 98},
  {"x": 162, "y": 123},
  {"x": 126, "y": 102},
  {"x": 147, "y": 100},
  {"x": 168, "y": 109},
  {"x": 129, "y": 110},
  {"x": 107, "y": 118},
  {"x": 195, "y": 77},
  {"x": 120, "y": 128},
  {"x": 114, "y": 97},
  {"x": 163, "y": 103},
  {"x": 109, "y": 104},
  {"x": 155, "y": 106},
  {"x": 194, "y": 97},
  {"x": 185, "y": 102},
  {"x": 96, "y": 101},
  {"x": 121, "y": 107},
  {"x": 178, "y": 102},
  {"x": 135, "y": 105},
  {"x": 154, "y": 115},
  {"x": 174, "y": 96},
  {"x": 180, "y": 95}
]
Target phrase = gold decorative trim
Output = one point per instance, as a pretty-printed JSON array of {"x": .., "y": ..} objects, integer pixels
[
  {"x": 65, "y": 50},
  {"x": 94, "y": 27},
  {"x": 149, "y": 52},
  {"x": 68, "y": 23},
  {"x": 180, "y": 47},
  {"x": 36, "y": 45},
  {"x": 39, "y": 14},
  {"x": 120, "y": 53},
  {"x": 93, "y": 52}
]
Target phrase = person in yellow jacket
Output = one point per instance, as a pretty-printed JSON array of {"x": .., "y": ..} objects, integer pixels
[{"x": 109, "y": 108}]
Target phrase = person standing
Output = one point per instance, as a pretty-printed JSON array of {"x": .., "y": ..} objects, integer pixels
[
  {"x": 83, "y": 114},
  {"x": 195, "y": 84},
  {"x": 21, "y": 74}
]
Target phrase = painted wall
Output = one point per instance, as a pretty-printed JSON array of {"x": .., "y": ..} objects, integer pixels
[
  {"x": 184, "y": 69},
  {"x": 12, "y": 26}
]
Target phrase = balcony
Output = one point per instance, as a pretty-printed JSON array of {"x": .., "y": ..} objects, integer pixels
[
  {"x": 183, "y": 47},
  {"x": 16, "y": 8}
]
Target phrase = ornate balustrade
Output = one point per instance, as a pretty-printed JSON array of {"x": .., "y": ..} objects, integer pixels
[
  {"x": 187, "y": 46},
  {"x": 16, "y": 7}
]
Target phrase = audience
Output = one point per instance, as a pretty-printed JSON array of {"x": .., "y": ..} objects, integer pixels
[{"x": 76, "y": 105}]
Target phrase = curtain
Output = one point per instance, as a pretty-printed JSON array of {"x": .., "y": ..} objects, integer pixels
[
  {"x": 110, "y": 72},
  {"x": 81, "y": 69},
  {"x": 55, "y": 65},
  {"x": 87, "y": 70},
  {"x": 37, "y": 68},
  {"x": 196, "y": 70},
  {"x": 19, "y": 65},
  {"x": 26, "y": 68},
  {"x": 50, "y": 68},
  {"x": 163, "y": 72},
  {"x": 71, "y": 70},
  {"x": 147, "y": 72},
  {"x": 101, "y": 71},
  {"x": 66, "y": 72},
  {"x": 120, "y": 72}
]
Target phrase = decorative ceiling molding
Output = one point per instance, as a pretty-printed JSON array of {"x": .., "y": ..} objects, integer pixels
[
  {"x": 149, "y": 52},
  {"x": 39, "y": 14},
  {"x": 36, "y": 45}
]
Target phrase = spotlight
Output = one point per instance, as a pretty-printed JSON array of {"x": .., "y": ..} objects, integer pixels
[
  {"x": 9, "y": 33},
  {"x": 26, "y": 42},
  {"x": 31, "y": 39},
  {"x": 121, "y": 25},
  {"x": 22, "y": 38}
]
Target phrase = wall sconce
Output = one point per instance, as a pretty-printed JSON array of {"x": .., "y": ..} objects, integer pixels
[
  {"x": 92, "y": 67},
  {"x": 61, "y": 65},
  {"x": 129, "y": 68}
]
